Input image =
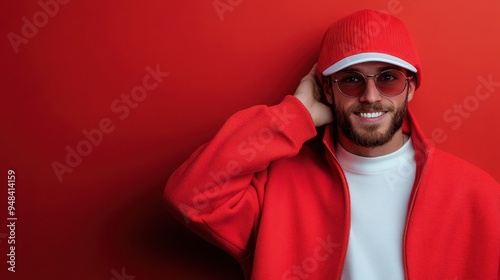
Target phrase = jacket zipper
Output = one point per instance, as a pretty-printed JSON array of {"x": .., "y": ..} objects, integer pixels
[
  {"x": 410, "y": 210},
  {"x": 348, "y": 211}
]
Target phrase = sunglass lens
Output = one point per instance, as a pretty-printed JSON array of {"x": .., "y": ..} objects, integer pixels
[
  {"x": 351, "y": 83},
  {"x": 391, "y": 82}
]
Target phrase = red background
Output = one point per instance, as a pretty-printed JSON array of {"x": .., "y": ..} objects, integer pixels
[{"x": 107, "y": 214}]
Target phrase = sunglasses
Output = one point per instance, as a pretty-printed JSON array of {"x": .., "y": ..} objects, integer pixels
[{"x": 390, "y": 82}]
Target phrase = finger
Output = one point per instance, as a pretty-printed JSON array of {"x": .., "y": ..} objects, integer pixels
[
  {"x": 317, "y": 88},
  {"x": 318, "y": 92},
  {"x": 313, "y": 70}
]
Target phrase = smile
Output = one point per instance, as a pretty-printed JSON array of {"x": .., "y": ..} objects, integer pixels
[{"x": 370, "y": 115}]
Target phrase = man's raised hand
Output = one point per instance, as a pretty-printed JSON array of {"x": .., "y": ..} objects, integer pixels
[{"x": 309, "y": 93}]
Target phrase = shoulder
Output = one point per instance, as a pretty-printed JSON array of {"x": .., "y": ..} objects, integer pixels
[
  {"x": 310, "y": 156},
  {"x": 455, "y": 172}
]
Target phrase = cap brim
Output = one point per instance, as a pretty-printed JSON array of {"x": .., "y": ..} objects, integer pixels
[{"x": 368, "y": 57}]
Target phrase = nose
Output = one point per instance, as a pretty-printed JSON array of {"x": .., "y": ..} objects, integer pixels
[{"x": 371, "y": 94}]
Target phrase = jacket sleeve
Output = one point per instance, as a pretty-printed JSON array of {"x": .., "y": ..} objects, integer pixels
[{"x": 219, "y": 190}]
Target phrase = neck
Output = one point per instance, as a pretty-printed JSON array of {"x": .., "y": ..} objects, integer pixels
[{"x": 396, "y": 142}]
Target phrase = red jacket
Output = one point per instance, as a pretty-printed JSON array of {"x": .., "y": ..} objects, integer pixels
[{"x": 281, "y": 208}]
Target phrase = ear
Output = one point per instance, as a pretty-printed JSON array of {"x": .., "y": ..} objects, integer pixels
[
  {"x": 327, "y": 89},
  {"x": 412, "y": 86}
]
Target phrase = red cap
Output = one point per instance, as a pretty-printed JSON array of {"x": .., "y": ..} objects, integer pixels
[{"x": 365, "y": 36}]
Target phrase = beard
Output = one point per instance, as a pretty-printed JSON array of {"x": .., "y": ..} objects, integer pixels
[{"x": 367, "y": 135}]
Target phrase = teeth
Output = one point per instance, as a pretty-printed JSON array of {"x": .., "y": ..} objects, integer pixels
[{"x": 371, "y": 115}]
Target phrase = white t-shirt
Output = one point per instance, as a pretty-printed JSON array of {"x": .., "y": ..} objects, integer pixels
[{"x": 379, "y": 189}]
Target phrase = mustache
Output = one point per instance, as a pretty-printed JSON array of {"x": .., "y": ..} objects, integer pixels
[{"x": 371, "y": 106}]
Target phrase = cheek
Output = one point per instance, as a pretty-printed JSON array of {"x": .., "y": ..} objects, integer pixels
[
  {"x": 401, "y": 100},
  {"x": 344, "y": 104}
]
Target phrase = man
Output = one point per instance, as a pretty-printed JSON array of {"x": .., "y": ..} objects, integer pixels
[{"x": 372, "y": 201}]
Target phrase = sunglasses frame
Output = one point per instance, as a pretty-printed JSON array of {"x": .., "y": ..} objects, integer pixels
[{"x": 407, "y": 81}]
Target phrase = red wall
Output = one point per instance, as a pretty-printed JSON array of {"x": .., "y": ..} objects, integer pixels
[{"x": 70, "y": 74}]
